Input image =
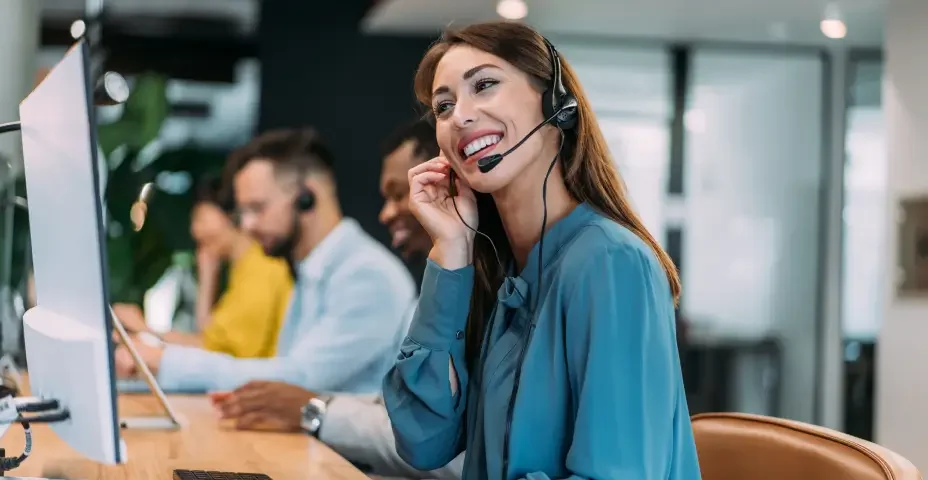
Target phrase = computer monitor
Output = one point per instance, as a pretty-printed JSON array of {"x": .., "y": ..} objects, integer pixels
[{"x": 69, "y": 347}]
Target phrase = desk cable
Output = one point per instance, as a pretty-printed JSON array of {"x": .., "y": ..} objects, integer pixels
[{"x": 29, "y": 410}]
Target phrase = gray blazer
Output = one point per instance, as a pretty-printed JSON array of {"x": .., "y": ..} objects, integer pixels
[{"x": 358, "y": 428}]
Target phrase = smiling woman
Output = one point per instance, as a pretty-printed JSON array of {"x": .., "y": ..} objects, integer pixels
[{"x": 563, "y": 292}]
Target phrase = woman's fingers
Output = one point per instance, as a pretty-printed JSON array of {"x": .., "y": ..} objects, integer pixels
[
  {"x": 436, "y": 164},
  {"x": 430, "y": 178},
  {"x": 427, "y": 187}
]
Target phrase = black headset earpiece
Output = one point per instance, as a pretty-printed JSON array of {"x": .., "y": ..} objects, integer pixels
[
  {"x": 557, "y": 102},
  {"x": 305, "y": 200}
]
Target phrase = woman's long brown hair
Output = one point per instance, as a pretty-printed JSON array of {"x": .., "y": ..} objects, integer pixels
[{"x": 590, "y": 174}]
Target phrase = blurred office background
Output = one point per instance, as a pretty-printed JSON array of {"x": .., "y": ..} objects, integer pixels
[{"x": 753, "y": 145}]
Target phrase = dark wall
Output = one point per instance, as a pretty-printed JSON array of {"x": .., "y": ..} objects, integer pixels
[{"x": 319, "y": 70}]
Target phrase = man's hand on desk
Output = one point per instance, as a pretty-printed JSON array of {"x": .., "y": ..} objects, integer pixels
[{"x": 261, "y": 405}]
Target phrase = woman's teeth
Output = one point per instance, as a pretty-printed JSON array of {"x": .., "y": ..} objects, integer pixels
[{"x": 481, "y": 143}]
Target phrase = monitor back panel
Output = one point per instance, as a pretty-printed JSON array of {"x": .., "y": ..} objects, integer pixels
[{"x": 65, "y": 207}]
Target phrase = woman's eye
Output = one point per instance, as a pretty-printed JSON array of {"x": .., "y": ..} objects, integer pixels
[
  {"x": 484, "y": 84},
  {"x": 441, "y": 108}
]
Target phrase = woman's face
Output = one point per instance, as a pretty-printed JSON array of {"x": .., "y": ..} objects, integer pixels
[
  {"x": 484, "y": 105},
  {"x": 211, "y": 229}
]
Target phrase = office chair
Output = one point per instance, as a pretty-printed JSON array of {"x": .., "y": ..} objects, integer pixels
[{"x": 734, "y": 446}]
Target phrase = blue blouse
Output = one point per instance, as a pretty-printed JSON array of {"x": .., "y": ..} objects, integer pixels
[{"x": 601, "y": 392}]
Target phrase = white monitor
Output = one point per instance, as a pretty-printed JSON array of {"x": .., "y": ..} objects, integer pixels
[{"x": 68, "y": 344}]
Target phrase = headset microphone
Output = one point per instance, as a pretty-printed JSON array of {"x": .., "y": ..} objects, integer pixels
[{"x": 490, "y": 162}]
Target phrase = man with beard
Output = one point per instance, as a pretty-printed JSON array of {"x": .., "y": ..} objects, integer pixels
[
  {"x": 351, "y": 301},
  {"x": 357, "y": 427}
]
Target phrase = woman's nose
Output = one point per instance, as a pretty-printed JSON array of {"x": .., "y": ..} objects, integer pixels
[{"x": 464, "y": 114}]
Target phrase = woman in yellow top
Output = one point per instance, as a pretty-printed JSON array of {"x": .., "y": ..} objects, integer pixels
[{"x": 245, "y": 321}]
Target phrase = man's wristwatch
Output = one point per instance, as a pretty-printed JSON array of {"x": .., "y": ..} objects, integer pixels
[{"x": 314, "y": 413}]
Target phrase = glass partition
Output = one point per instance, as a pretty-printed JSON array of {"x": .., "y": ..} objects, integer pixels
[{"x": 751, "y": 249}]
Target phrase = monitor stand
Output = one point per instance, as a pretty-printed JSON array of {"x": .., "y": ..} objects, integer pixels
[{"x": 170, "y": 420}]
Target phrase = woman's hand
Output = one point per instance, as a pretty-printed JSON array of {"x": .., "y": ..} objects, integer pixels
[
  {"x": 207, "y": 260},
  {"x": 431, "y": 202}
]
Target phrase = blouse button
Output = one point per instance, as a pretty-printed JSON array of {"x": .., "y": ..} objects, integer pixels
[{"x": 459, "y": 335}]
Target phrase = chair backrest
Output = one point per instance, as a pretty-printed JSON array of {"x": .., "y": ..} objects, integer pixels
[{"x": 734, "y": 446}]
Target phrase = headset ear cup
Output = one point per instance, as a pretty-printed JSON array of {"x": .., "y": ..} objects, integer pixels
[
  {"x": 567, "y": 116},
  {"x": 305, "y": 201},
  {"x": 549, "y": 103},
  {"x": 556, "y": 102},
  {"x": 566, "y": 111}
]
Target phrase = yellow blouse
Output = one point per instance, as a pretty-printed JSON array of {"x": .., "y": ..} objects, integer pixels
[{"x": 247, "y": 318}]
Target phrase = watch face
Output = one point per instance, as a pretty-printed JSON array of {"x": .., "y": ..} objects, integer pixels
[{"x": 312, "y": 415}]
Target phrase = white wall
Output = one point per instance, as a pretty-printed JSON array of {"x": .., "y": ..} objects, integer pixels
[
  {"x": 902, "y": 356},
  {"x": 753, "y": 181}
]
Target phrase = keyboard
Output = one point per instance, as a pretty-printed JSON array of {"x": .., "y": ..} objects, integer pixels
[{"x": 213, "y": 475}]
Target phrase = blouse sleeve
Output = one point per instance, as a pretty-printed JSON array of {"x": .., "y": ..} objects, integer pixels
[{"x": 427, "y": 418}]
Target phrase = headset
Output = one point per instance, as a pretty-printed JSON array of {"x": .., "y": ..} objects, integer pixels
[
  {"x": 559, "y": 108},
  {"x": 305, "y": 199}
]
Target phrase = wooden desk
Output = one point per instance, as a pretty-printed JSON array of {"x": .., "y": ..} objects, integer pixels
[{"x": 203, "y": 443}]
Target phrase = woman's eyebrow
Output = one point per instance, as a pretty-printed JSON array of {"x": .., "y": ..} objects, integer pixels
[{"x": 467, "y": 76}]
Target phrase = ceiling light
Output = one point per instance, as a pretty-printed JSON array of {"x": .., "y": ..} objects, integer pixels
[
  {"x": 834, "y": 28},
  {"x": 512, "y": 9},
  {"x": 77, "y": 29},
  {"x": 832, "y": 25}
]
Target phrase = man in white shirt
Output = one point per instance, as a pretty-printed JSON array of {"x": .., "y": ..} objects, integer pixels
[
  {"x": 355, "y": 426},
  {"x": 349, "y": 308}
]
